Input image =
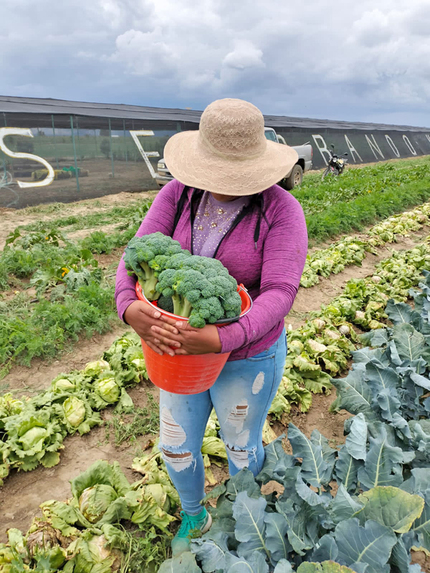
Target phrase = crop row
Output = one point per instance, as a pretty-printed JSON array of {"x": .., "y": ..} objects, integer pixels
[
  {"x": 33, "y": 429},
  {"x": 380, "y": 508},
  {"x": 322, "y": 346},
  {"x": 362, "y": 196},
  {"x": 73, "y": 293},
  {"x": 317, "y": 351},
  {"x": 352, "y": 250},
  {"x": 363, "y": 507}
]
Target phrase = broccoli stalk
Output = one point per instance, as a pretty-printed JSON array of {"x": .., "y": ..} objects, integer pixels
[
  {"x": 148, "y": 281},
  {"x": 181, "y": 306}
]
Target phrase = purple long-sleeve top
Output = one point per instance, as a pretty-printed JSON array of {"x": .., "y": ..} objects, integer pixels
[{"x": 270, "y": 270}]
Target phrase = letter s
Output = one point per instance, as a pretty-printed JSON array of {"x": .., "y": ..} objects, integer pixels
[{"x": 26, "y": 133}]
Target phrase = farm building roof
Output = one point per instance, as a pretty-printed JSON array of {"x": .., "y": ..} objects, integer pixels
[{"x": 42, "y": 107}]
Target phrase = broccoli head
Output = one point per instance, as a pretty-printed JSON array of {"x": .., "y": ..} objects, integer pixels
[
  {"x": 147, "y": 256},
  {"x": 200, "y": 296},
  {"x": 199, "y": 288}
]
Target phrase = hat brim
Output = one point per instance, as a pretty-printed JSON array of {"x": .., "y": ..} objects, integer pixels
[{"x": 195, "y": 165}]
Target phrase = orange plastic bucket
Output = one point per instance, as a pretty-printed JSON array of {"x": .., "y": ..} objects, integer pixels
[{"x": 187, "y": 374}]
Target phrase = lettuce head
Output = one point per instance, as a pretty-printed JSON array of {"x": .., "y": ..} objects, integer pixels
[
  {"x": 74, "y": 411},
  {"x": 94, "y": 501},
  {"x": 108, "y": 389}
]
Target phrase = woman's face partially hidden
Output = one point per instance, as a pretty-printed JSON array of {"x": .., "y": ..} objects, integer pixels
[{"x": 224, "y": 198}]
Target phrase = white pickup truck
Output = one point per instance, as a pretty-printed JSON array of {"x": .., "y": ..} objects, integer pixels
[{"x": 294, "y": 177}]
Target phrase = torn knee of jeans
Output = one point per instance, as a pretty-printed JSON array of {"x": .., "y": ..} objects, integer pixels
[
  {"x": 171, "y": 433},
  {"x": 239, "y": 456},
  {"x": 237, "y": 415},
  {"x": 177, "y": 460}
]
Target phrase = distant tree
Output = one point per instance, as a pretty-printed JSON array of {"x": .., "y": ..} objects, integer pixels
[{"x": 105, "y": 147}]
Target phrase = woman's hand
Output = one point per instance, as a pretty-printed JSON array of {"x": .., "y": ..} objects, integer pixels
[
  {"x": 194, "y": 340},
  {"x": 142, "y": 318}
]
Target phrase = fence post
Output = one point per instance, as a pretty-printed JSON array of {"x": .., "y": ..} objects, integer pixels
[
  {"x": 74, "y": 153},
  {"x": 55, "y": 147},
  {"x": 3, "y": 154},
  {"x": 111, "y": 152},
  {"x": 125, "y": 142}
]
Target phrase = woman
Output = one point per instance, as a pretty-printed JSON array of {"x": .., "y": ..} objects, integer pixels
[{"x": 224, "y": 203}]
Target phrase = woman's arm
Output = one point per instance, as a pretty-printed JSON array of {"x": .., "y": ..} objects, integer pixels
[{"x": 284, "y": 257}]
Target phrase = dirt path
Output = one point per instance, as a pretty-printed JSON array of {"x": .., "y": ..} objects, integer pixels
[
  {"x": 309, "y": 299},
  {"x": 23, "y": 380},
  {"x": 22, "y": 493},
  {"x": 12, "y": 218}
]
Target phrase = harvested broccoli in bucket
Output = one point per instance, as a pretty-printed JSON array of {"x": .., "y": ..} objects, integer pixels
[{"x": 198, "y": 288}]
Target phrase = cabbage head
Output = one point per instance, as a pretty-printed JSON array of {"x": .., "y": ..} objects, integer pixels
[
  {"x": 9, "y": 406},
  {"x": 33, "y": 439},
  {"x": 6, "y": 558},
  {"x": 74, "y": 411},
  {"x": 108, "y": 389},
  {"x": 92, "y": 553},
  {"x": 95, "y": 500},
  {"x": 63, "y": 385},
  {"x": 95, "y": 368},
  {"x": 43, "y": 545}
]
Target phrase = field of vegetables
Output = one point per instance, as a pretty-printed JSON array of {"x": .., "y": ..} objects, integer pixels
[{"x": 346, "y": 484}]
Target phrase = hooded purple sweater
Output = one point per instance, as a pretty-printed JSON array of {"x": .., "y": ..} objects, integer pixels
[{"x": 270, "y": 269}]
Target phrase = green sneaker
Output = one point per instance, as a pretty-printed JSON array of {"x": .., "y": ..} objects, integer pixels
[{"x": 201, "y": 522}]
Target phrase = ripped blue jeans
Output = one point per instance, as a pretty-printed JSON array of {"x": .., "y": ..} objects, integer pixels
[{"x": 241, "y": 396}]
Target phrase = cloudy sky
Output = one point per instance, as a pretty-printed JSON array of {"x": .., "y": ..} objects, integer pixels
[{"x": 365, "y": 60}]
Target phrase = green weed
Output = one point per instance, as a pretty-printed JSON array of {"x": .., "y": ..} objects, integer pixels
[{"x": 142, "y": 421}]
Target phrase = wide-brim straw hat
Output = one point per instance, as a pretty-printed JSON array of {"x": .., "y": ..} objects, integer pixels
[{"x": 229, "y": 153}]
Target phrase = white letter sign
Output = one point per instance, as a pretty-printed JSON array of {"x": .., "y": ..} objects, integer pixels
[
  {"x": 409, "y": 145},
  {"x": 374, "y": 146},
  {"x": 352, "y": 149},
  {"x": 18, "y": 155},
  {"x": 323, "y": 147},
  {"x": 393, "y": 147},
  {"x": 144, "y": 154}
]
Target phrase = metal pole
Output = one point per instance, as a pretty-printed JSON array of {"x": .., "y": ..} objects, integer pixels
[
  {"x": 125, "y": 142},
  {"x": 55, "y": 146},
  {"x": 4, "y": 154},
  {"x": 74, "y": 153},
  {"x": 111, "y": 152},
  {"x": 78, "y": 139}
]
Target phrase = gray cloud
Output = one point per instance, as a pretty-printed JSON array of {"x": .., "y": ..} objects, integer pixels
[{"x": 367, "y": 61}]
